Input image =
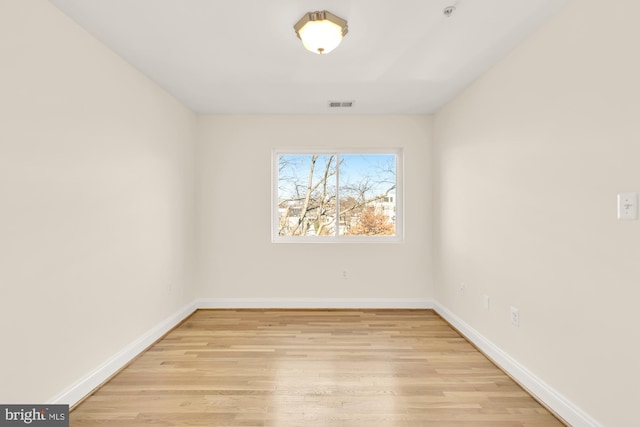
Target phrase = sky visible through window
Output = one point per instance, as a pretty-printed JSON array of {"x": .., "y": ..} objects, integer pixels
[{"x": 336, "y": 194}]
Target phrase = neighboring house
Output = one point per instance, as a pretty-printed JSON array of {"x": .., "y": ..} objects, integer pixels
[{"x": 289, "y": 215}]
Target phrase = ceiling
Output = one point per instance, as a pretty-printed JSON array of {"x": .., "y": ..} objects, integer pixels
[{"x": 243, "y": 57}]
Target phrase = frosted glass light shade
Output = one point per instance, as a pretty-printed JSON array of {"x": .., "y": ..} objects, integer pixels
[
  {"x": 320, "y": 36},
  {"x": 321, "y": 32}
]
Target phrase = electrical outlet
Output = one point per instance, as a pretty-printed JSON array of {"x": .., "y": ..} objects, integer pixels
[
  {"x": 345, "y": 276},
  {"x": 485, "y": 301},
  {"x": 461, "y": 289},
  {"x": 515, "y": 316}
]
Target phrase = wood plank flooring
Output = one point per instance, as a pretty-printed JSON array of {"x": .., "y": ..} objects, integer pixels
[{"x": 286, "y": 368}]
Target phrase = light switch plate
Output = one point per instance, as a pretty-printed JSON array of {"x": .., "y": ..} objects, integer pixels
[{"x": 628, "y": 206}]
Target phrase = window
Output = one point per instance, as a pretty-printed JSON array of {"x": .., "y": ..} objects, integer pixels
[{"x": 325, "y": 196}]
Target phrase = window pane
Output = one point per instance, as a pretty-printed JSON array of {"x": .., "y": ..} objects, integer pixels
[
  {"x": 306, "y": 195},
  {"x": 367, "y": 191}
]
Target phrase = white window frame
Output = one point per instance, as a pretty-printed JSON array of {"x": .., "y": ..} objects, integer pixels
[{"x": 399, "y": 196}]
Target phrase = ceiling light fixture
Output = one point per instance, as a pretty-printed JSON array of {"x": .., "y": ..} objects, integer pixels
[{"x": 321, "y": 32}]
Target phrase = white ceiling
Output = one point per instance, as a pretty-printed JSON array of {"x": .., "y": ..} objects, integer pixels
[{"x": 243, "y": 57}]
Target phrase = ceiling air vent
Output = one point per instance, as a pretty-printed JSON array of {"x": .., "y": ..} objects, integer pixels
[{"x": 340, "y": 104}]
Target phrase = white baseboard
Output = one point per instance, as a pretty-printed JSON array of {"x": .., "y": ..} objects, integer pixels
[
  {"x": 571, "y": 413},
  {"x": 318, "y": 303},
  {"x": 78, "y": 391}
]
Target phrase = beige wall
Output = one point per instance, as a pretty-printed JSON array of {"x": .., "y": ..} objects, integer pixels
[
  {"x": 530, "y": 159},
  {"x": 237, "y": 258},
  {"x": 96, "y": 203}
]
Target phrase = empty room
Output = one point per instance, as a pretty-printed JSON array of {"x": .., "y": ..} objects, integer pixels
[{"x": 319, "y": 213}]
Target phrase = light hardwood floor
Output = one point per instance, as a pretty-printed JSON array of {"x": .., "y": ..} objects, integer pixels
[{"x": 286, "y": 368}]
